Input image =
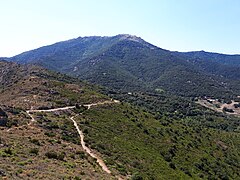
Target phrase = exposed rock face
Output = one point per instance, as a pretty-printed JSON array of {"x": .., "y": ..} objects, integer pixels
[{"x": 2, "y": 173}]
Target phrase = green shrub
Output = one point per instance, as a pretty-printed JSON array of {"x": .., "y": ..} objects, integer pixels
[
  {"x": 34, "y": 151},
  {"x": 81, "y": 154},
  {"x": 55, "y": 155},
  {"x": 52, "y": 155},
  {"x": 136, "y": 176},
  {"x": 50, "y": 134},
  {"x": 8, "y": 151},
  {"x": 35, "y": 141}
]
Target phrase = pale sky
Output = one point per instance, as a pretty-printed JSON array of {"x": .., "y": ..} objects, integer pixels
[{"x": 179, "y": 25}]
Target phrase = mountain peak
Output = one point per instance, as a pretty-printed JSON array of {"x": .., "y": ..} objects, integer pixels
[
  {"x": 134, "y": 38},
  {"x": 130, "y": 37}
]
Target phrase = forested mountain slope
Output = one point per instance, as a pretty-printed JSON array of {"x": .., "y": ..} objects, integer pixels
[
  {"x": 128, "y": 63},
  {"x": 133, "y": 141}
]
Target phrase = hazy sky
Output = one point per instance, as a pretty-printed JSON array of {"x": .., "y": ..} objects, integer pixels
[{"x": 181, "y": 25}]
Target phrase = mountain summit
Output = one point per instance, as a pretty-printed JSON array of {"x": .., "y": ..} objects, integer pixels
[
  {"x": 135, "y": 39},
  {"x": 77, "y": 49}
]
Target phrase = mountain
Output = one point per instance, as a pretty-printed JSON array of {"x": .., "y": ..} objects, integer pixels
[
  {"x": 40, "y": 141},
  {"x": 75, "y": 50},
  {"x": 232, "y": 60},
  {"x": 219, "y": 64},
  {"x": 128, "y": 63}
]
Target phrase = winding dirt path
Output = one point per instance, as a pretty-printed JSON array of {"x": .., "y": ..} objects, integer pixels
[
  {"x": 88, "y": 150},
  {"x": 47, "y": 110},
  {"x": 52, "y": 110}
]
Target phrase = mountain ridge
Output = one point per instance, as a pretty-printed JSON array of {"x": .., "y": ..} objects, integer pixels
[{"x": 128, "y": 63}]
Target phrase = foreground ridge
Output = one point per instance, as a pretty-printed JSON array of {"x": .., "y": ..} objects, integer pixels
[{"x": 88, "y": 150}]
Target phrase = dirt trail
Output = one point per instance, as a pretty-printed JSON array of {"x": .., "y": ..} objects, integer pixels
[
  {"x": 88, "y": 150},
  {"x": 47, "y": 110},
  {"x": 52, "y": 110}
]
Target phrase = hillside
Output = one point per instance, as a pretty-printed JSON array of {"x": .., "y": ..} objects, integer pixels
[
  {"x": 219, "y": 64},
  {"x": 128, "y": 63},
  {"x": 232, "y": 60},
  {"x": 27, "y": 149},
  {"x": 39, "y": 141}
]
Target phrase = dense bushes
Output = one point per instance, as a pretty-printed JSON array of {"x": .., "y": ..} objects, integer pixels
[
  {"x": 55, "y": 155},
  {"x": 165, "y": 142}
]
